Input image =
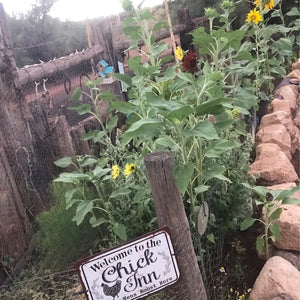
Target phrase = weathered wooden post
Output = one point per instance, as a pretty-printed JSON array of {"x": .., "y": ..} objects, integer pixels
[
  {"x": 186, "y": 39},
  {"x": 170, "y": 212}
]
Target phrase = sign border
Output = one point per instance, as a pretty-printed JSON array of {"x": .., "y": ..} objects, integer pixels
[{"x": 163, "y": 230}]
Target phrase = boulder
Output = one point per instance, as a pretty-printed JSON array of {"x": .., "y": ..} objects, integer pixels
[
  {"x": 273, "y": 165},
  {"x": 296, "y": 120},
  {"x": 282, "y": 186},
  {"x": 276, "y": 134},
  {"x": 289, "y": 223},
  {"x": 279, "y": 105},
  {"x": 291, "y": 256},
  {"x": 289, "y": 93},
  {"x": 278, "y": 279},
  {"x": 279, "y": 117}
]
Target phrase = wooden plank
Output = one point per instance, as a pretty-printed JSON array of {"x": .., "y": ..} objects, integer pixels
[{"x": 170, "y": 212}]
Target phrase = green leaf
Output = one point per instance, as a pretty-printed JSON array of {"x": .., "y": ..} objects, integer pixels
[
  {"x": 120, "y": 231},
  {"x": 82, "y": 210},
  {"x": 71, "y": 202},
  {"x": 167, "y": 142},
  {"x": 218, "y": 147},
  {"x": 159, "y": 49},
  {"x": 134, "y": 32},
  {"x": 283, "y": 46},
  {"x": 82, "y": 108},
  {"x": 211, "y": 107},
  {"x": 158, "y": 101},
  {"x": 100, "y": 172},
  {"x": 112, "y": 123},
  {"x": 275, "y": 229},
  {"x": 71, "y": 177},
  {"x": 290, "y": 201},
  {"x": 201, "y": 189},
  {"x": 213, "y": 170},
  {"x": 285, "y": 193},
  {"x": 97, "y": 222},
  {"x": 107, "y": 96},
  {"x": 160, "y": 25},
  {"x": 247, "y": 223},
  {"x": 122, "y": 191},
  {"x": 204, "y": 129},
  {"x": 123, "y": 107},
  {"x": 181, "y": 113},
  {"x": 124, "y": 78},
  {"x": 188, "y": 77},
  {"x": 69, "y": 194},
  {"x": 260, "y": 243},
  {"x": 77, "y": 93},
  {"x": 63, "y": 162},
  {"x": 293, "y": 12},
  {"x": 211, "y": 238},
  {"x": 95, "y": 135},
  {"x": 89, "y": 161},
  {"x": 142, "y": 123},
  {"x": 183, "y": 175},
  {"x": 276, "y": 214}
]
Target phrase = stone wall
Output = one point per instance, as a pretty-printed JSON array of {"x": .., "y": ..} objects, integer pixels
[{"x": 277, "y": 163}]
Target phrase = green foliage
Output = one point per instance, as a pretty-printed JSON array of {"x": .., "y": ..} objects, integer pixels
[
  {"x": 60, "y": 241},
  {"x": 271, "y": 202}
]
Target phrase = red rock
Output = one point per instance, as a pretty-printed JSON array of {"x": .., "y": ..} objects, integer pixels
[
  {"x": 289, "y": 93},
  {"x": 276, "y": 134},
  {"x": 289, "y": 223},
  {"x": 278, "y": 279},
  {"x": 280, "y": 105},
  {"x": 273, "y": 165}
]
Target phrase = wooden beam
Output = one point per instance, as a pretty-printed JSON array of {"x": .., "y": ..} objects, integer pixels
[
  {"x": 170, "y": 212},
  {"x": 44, "y": 70}
]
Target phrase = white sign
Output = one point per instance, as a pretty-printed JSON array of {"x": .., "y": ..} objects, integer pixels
[{"x": 131, "y": 271}]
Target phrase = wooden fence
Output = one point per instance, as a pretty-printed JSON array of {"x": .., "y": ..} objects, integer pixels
[{"x": 31, "y": 139}]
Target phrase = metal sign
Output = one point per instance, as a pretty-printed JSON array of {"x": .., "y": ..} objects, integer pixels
[{"x": 131, "y": 271}]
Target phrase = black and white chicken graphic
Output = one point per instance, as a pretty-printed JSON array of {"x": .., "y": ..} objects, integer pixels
[{"x": 112, "y": 291}]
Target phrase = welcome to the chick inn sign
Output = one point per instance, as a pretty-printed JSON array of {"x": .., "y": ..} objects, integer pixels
[{"x": 131, "y": 271}]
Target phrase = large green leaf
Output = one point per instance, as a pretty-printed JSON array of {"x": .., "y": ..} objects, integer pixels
[
  {"x": 143, "y": 123},
  {"x": 160, "y": 25},
  {"x": 134, "y": 32},
  {"x": 247, "y": 223},
  {"x": 82, "y": 210},
  {"x": 276, "y": 214},
  {"x": 63, "y": 162},
  {"x": 275, "y": 229},
  {"x": 168, "y": 142},
  {"x": 159, "y": 102},
  {"x": 260, "y": 243},
  {"x": 218, "y": 147},
  {"x": 77, "y": 93},
  {"x": 188, "y": 77},
  {"x": 95, "y": 135},
  {"x": 211, "y": 107},
  {"x": 122, "y": 191},
  {"x": 97, "y": 222},
  {"x": 181, "y": 113},
  {"x": 123, "y": 107},
  {"x": 82, "y": 108},
  {"x": 183, "y": 175},
  {"x": 120, "y": 231},
  {"x": 89, "y": 161},
  {"x": 71, "y": 177},
  {"x": 112, "y": 123},
  {"x": 203, "y": 129},
  {"x": 214, "y": 170},
  {"x": 123, "y": 77}
]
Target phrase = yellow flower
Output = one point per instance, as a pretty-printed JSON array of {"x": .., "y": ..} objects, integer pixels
[
  {"x": 254, "y": 16},
  {"x": 231, "y": 290},
  {"x": 129, "y": 168},
  {"x": 268, "y": 5},
  {"x": 115, "y": 171},
  {"x": 249, "y": 290},
  {"x": 179, "y": 53}
]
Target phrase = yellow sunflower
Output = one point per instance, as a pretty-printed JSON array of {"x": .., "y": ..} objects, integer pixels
[
  {"x": 179, "y": 53},
  {"x": 268, "y": 4},
  {"x": 129, "y": 168},
  {"x": 115, "y": 171},
  {"x": 254, "y": 16}
]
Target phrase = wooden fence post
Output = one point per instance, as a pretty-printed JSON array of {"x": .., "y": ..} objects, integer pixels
[{"x": 170, "y": 212}]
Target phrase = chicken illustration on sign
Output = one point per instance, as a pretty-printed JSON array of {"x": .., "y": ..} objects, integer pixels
[{"x": 131, "y": 271}]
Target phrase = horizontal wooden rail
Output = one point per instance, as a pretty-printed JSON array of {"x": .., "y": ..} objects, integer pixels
[{"x": 46, "y": 69}]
